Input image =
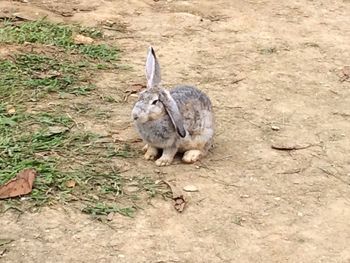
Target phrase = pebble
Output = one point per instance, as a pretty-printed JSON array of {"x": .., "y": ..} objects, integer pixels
[
  {"x": 190, "y": 188},
  {"x": 132, "y": 189},
  {"x": 275, "y": 128}
]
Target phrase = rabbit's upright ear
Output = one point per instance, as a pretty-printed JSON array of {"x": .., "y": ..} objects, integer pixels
[
  {"x": 173, "y": 111},
  {"x": 152, "y": 69}
]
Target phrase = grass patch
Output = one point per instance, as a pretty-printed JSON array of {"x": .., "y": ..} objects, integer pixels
[
  {"x": 105, "y": 209},
  {"x": 33, "y": 75},
  {"x": 47, "y": 143},
  {"x": 59, "y": 35},
  {"x": 72, "y": 165}
]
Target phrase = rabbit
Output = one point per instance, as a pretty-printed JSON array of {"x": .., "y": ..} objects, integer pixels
[{"x": 180, "y": 120}]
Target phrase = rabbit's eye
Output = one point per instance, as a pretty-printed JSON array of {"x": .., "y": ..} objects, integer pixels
[{"x": 154, "y": 102}]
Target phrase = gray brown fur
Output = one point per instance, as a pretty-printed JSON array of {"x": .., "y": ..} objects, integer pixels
[{"x": 177, "y": 121}]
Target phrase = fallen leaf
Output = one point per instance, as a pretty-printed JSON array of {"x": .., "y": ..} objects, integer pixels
[
  {"x": 179, "y": 200},
  {"x": 179, "y": 204},
  {"x": 289, "y": 146},
  {"x": 135, "y": 88},
  {"x": 21, "y": 185},
  {"x": 80, "y": 39},
  {"x": 190, "y": 188},
  {"x": 132, "y": 90},
  {"x": 70, "y": 184}
]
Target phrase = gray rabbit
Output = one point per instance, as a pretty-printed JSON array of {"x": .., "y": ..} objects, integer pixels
[{"x": 179, "y": 120}]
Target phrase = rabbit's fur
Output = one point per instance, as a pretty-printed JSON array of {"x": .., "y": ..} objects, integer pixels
[{"x": 177, "y": 121}]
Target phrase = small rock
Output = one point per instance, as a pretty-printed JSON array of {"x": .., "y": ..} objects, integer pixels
[
  {"x": 277, "y": 198},
  {"x": 10, "y": 109},
  {"x": 300, "y": 214},
  {"x": 275, "y": 128},
  {"x": 80, "y": 39},
  {"x": 53, "y": 130},
  {"x": 70, "y": 184},
  {"x": 244, "y": 196},
  {"x": 95, "y": 197},
  {"x": 109, "y": 23},
  {"x": 268, "y": 99},
  {"x": 110, "y": 216},
  {"x": 190, "y": 188},
  {"x": 132, "y": 189}
]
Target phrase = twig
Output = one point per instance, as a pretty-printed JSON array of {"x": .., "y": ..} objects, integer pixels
[
  {"x": 237, "y": 80},
  {"x": 292, "y": 171},
  {"x": 125, "y": 37},
  {"x": 290, "y": 147},
  {"x": 220, "y": 181},
  {"x": 256, "y": 125},
  {"x": 333, "y": 175},
  {"x": 70, "y": 117}
]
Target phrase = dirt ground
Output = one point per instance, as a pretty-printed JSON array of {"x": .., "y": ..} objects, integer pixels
[{"x": 272, "y": 70}]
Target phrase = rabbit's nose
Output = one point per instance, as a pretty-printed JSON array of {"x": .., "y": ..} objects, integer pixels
[{"x": 135, "y": 117}]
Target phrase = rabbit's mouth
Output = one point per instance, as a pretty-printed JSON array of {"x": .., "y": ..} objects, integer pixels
[{"x": 140, "y": 118}]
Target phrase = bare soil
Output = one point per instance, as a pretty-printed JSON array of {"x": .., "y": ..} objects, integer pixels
[{"x": 272, "y": 70}]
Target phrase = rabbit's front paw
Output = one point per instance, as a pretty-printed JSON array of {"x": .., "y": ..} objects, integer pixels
[
  {"x": 151, "y": 153},
  {"x": 164, "y": 161},
  {"x": 191, "y": 156}
]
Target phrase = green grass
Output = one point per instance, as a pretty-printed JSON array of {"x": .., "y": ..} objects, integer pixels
[
  {"x": 34, "y": 135},
  {"x": 32, "y": 75},
  {"x": 59, "y": 35},
  {"x": 46, "y": 142}
]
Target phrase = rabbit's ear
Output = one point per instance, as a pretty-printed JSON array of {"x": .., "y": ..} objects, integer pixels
[
  {"x": 173, "y": 111},
  {"x": 152, "y": 69}
]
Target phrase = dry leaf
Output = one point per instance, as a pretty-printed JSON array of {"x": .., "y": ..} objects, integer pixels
[
  {"x": 21, "y": 185},
  {"x": 70, "y": 184},
  {"x": 132, "y": 90},
  {"x": 179, "y": 200},
  {"x": 135, "y": 88},
  {"x": 80, "y": 39}
]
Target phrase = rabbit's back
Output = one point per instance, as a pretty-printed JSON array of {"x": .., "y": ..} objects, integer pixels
[{"x": 195, "y": 108}]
